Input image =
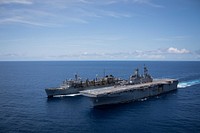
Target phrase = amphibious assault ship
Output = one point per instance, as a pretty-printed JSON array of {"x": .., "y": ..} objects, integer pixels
[
  {"x": 73, "y": 86},
  {"x": 137, "y": 87}
]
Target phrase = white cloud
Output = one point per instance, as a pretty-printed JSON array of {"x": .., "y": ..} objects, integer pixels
[
  {"x": 63, "y": 12},
  {"x": 173, "y": 38},
  {"x": 133, "y": 55},
  {"x": 26, "y": 21},
  {"x": 157, "y": 54},
  {"x": 177, "y": 51},
  {"x": 148, "y": 3},
  {"x": 26, "y": 2}
]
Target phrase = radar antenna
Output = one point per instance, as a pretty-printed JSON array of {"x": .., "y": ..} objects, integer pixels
[{"x": 145, "y": 70}]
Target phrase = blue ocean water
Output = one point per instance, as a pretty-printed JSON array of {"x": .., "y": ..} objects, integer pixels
[{"x": 24, "y": 106}]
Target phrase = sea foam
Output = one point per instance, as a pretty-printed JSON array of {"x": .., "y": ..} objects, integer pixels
[{"x": 185, "y": 84}]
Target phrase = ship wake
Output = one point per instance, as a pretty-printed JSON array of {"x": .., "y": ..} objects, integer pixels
[
  {"x": 189, "y": 83},
  {"x": 68, "y": 95}
]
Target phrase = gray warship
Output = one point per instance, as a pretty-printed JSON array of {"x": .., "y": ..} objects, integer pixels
[
  {"x": 73, "y": 86},
  {"x": 136, "y": 88}
]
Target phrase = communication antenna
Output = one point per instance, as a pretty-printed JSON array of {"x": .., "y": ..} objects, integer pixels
[
  {"x": 76, "y": 76},
  {"x": 145, "y": 70}
]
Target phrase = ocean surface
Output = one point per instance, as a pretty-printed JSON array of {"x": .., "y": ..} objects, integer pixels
[{"x": 24, "y": 106}]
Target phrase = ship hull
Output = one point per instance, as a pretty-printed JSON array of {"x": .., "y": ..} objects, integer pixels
[
  {"x": 61, "y": 91},
  {"x": 51, "y": 92},
  {"x": 132, "y": 94}
]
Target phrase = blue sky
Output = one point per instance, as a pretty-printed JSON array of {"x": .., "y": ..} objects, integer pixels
[{"x": 99, "y": 30}]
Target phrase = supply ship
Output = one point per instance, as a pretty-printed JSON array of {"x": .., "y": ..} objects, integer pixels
[
  {"x": 73, "y": 86},
  {"x": 137, "y": 87}
]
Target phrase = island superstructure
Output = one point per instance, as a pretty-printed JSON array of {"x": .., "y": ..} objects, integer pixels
[{"x": 137, "y": 87}]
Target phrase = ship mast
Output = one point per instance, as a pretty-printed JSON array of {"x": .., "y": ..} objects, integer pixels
[
  {"x": 137, "y": 72},
  {"x": 145, "y": 71}
]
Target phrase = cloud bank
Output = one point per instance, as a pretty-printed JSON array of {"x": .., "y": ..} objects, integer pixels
[
  {"x": 157, "y": 54},
  {"x": 177, "y": 51}
]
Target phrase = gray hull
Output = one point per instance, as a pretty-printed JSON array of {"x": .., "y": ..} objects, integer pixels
[
  {"x": 61, "y": 91},
  {"x": 130, "y": 93},
  {"x": 51, "y": 92}
]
